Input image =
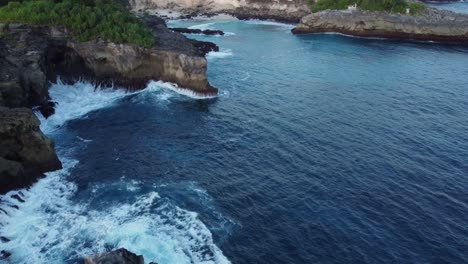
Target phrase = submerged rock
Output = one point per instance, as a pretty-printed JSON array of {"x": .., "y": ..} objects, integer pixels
[
  {"x": 432, "y": 25},
  {"x": 25, "y": 152},
  {"x": 205, "y": 47},
  {"x": 119, "y": 256},
  {"x": 4, "y": 254},
  {"x": 198, "y": 31}
]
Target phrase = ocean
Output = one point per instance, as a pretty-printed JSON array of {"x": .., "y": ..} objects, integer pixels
[{"x": 319, "y": 149}]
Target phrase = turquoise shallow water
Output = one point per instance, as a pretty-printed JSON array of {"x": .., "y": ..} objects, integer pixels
[
  {"x": 319, "y": 149},
  {"x": 457, "y": 6}
]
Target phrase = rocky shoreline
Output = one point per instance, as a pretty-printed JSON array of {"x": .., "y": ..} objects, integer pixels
[
  {"x": 288, "y": 11},
  {"x": 32, "y": 56},
  {"x": 25, "y": 152},
  {"x": 432, "y": 25}
]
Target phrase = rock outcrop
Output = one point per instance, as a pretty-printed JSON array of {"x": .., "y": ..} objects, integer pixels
[
  {"x": 31, "y": 56},
  {"x": 23, "y": 81},
  {"x": 208, "y": 32},
  {"x": 119, "y": 256},
  {"x": 25, "y": 152},
  {"x": 432, "y": 25},
  {"x": 281, "y": 10}
]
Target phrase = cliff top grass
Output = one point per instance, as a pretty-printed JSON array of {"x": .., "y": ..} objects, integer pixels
[
  {"x": 392, "y": 6},
  {"x": 86, "y": 19}
]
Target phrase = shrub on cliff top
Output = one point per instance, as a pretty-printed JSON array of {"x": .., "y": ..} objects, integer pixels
[
  {"x": 86, "y": 19},
  {"x": 394, "y": 6}
]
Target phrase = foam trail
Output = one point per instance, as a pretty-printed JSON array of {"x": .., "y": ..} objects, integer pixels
[
  {"x": 223, "y": 53},
  {"x": 202, "y": 26},
  {"x": 206, "y": 26},
  {"x": 270, "y": 23}
]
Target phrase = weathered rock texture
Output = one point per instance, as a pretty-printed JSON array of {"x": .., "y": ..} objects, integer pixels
[
  {"x": 281, "y": 10},
  {"x": 25, "y": 152},
  {"x": 433, "y": 25},
  {"x": 31, "y": 56},
  {"x": 119, "y": 256}
]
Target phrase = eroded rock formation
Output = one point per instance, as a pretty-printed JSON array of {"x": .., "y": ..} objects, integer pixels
[
  {"x": 432, "y": 25},
  {"x": 31, "y": 56},
  {"x": 25, "y": 152}
]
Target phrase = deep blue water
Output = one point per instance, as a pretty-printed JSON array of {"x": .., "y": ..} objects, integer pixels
[{"x": 319, "y": 149}]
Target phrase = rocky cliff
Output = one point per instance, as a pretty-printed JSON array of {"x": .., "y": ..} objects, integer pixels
[
  {"x": 432, "y": 25},
  {"x": 31, "y": 56},
  {"x": 282, "y": 10},
  {"x": 25, "y": 152}
]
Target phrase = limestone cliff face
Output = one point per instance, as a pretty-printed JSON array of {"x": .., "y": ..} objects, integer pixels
[
  {"x": 129, "y": 66},
  {"x": 283, "y": 10},
  {"x": 433, "y": 25},
  {"x": 25, "y": 152},
  {"x": 31, "y": 56}
]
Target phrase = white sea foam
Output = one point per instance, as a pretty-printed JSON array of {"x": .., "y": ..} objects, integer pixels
[
  {"x": 53, "y": 226},
  {"x": 223, "y": 53},
  {"x": 156, "y": 86},
  {"x": 204, "y": 26},
  {"x": 75, "y": 101},
  {"x": 83, "y": 139},
  {"x": 270, "y": 23},
  {"x": 210, "y": 26},
  {"x": 50, "y": 228}
]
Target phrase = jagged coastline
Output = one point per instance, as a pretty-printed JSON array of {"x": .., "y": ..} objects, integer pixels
[{"x": 31, "y": 56}]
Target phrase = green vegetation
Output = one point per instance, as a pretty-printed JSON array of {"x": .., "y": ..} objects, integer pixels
[
  {"x": 86, "y": 19},
  {"x": 394, "y": 6}
]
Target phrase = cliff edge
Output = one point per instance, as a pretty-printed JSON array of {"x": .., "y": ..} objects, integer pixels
[
  {"x": 431, "y": 25},
  {"x": 31, "y": 56}
]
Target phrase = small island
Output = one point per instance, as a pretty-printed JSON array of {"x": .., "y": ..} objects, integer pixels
[{"x": 393, "y": 19}]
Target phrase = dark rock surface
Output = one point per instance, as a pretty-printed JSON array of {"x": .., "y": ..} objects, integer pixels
[
  {"x": 208, "y": 32},
  {"x": 25, "y": 152},
  {"x": 119, "y": 256},
  {"x": 31, "y": 56},
  {"x": 23, "y": 81},
  {"x": 205, "y": 47},
  {"x": 432, "y": 25},
  {"x": 4, "y": 254}
]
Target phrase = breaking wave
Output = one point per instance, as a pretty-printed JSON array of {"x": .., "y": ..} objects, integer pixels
[
  {"x": 48, "y": 224},
  {"x": 223, "y": 53}
]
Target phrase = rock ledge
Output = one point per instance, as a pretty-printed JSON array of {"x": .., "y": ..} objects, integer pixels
[{"x": 433, "y": 25}]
